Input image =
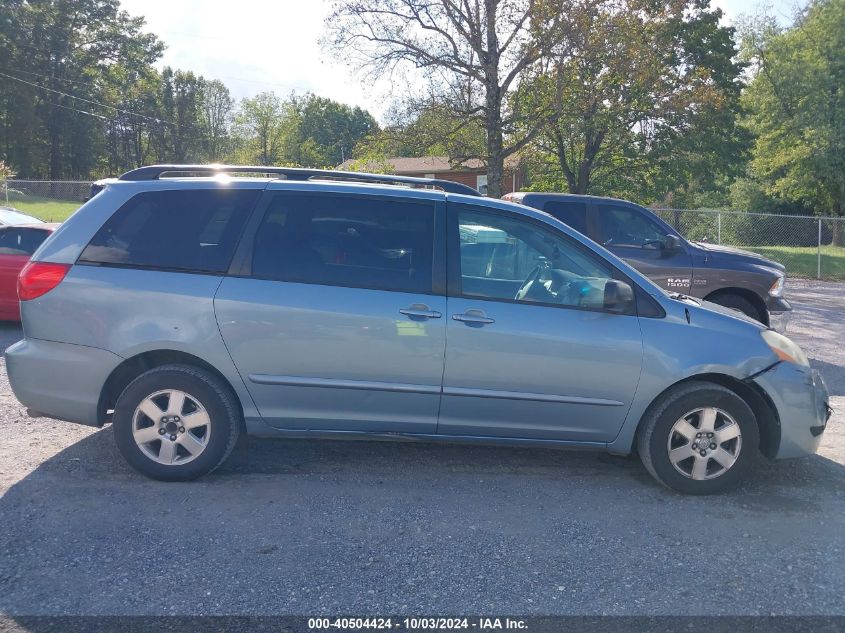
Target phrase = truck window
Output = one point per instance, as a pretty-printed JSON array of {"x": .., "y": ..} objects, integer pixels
[
  {"x": 573, "y": 214},
  {"x": 627, "y": 226}
]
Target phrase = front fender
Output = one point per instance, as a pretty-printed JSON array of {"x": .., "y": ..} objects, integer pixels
[{"x": 675, "y": 350}]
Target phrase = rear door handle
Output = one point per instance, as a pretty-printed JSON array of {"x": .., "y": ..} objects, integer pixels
[
  {"x": 473, "y": 317},
  {"x": 420, "y": 311}
]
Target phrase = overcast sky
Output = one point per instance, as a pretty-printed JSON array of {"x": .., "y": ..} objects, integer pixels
[{"x": 258, "y": 45}]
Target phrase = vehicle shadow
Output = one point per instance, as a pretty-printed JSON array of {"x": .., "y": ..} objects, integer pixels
[{"x": 302, "y": 526}]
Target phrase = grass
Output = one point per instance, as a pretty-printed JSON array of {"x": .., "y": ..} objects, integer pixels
[
  {"x": 46, "y": 209},
  {"x": 802, "y": 261}
]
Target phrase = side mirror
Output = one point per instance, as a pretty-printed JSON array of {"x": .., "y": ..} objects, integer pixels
[
  {"x": 618, "y": 296},
  {"x": 672, "y": 243}
]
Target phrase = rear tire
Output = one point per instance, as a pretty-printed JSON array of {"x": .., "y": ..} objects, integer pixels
[
  {"x": 737, "y": 302},
  {"x": 176, "y": 422},
  {"x": 699, "y": 438}
]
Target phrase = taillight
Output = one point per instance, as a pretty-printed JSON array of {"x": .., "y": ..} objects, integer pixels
[{"x": 38, "y": 278}]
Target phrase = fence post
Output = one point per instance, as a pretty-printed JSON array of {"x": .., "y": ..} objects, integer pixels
[
  {"x": 819, "y": 254},
  {"x": 719, "y": 230}
]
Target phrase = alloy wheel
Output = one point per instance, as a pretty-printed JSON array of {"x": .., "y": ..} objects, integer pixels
[
  {"x": 171, "y": 427},
  {"x": 704, "y": 443}
]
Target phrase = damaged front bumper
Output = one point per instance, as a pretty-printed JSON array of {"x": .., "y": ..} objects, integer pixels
[{"x": 803, "y": 407}]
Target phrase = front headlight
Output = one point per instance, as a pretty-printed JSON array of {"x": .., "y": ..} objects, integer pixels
[
  {"x": 784, "y": 348},
  {"x": 777, "y": 288}
]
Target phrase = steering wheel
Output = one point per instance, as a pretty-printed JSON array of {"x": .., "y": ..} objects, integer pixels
[
  {"x": 532, "y": 289},
  {"x": 533, "y": 276}
]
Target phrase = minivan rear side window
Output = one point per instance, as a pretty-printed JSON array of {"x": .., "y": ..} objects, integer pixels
[
  {"x": 193, "y": 230},
  {"x": 573, "y": 214},
  {"x": 362, "y": 242}
]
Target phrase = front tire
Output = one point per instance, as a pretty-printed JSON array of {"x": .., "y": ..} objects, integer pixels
[
  {"x": 699, "y": 438},
  {"x": 176, "y": 422},
  {"x": 739, "y": 303}
]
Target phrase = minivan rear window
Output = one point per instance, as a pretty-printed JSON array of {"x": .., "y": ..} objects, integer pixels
[{"x": 192, "y": 230}]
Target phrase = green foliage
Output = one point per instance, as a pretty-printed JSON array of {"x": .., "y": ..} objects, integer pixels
[
  {"x": 327, "y": 131},
  {"x": 470, "y": 56},
  {"x": 260, "y": 130},
  {"x": 627, "y": 98},
  {"x": 749, "y": 194},
  {"x": 80, "y": 97},
  {"x": 53, "y": 49},
  {"x": 648, "y": 98},
  {"x": 427, "y": 129},
  {"x": 796, "y": 104},
  {"x": 305, "y": 131}
]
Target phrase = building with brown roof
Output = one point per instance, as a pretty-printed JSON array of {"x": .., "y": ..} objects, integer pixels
[{"x": 472, "y": 172}]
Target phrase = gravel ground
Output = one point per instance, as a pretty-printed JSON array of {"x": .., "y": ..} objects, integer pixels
[{"x": 307, "y": 527}]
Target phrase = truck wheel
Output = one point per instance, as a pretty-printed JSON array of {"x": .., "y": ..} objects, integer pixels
[
  {"x": 699, "y": 438},
  {"x": 740, "y": 303},
  {"x": 176, "y": 422}
]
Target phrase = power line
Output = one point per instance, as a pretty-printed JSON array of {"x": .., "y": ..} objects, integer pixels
[
  {"x": 41, "y": 76},
  {"x": 189, "y": 131},
  {"x": 97, "y": 103},
  {"x": 59, "y": 105},
  {"x": 272, "y": 84}
]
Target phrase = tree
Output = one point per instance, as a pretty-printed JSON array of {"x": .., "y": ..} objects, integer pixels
[
  {"x": 216, "y": 114},
  {"x": 334, "y": 126},
  {"x": 650, "y": 94},
  {"x": 473, "y": 54},
  {"x": 181, "y": 106},
  {"x": 796, "y": 102},
  {"x": 427, "y": 131},
  {"x": 260, "y": 125},
  {"x": 306, "y": 131},
  {"x": 134, "y": 131},
  {"x": 172, "y": 116},
  {"x": 56, "y": 49}
]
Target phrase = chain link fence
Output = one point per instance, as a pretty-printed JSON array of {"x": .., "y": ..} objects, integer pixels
[
  {"x": 49, "y": 200},
  {"x": 72, "y": 190},
  {"x": 809, "y": 246}
]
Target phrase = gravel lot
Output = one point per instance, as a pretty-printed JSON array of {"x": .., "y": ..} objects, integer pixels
[{"x": 306, "y": 527}]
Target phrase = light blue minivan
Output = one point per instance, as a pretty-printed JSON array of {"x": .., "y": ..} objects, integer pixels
[{"x": 187, "y": 305}]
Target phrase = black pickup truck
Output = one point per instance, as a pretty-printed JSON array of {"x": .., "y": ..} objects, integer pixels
[{"x": 728, "y": 276}]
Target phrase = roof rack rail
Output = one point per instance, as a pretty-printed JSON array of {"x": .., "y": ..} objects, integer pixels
[{"x": 154, "y": 172}]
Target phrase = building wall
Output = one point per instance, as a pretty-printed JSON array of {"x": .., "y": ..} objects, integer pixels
[{"x": 469, "y": 178}]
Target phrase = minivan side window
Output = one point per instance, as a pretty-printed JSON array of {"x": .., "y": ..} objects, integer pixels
[
  {"x": 626, "y": 226},
  {"x": 573, "y": 214},
  {"x": 192, "y": 230},
  {"x": 363, "y": 242},
  {"x": 513, "y": 259}
]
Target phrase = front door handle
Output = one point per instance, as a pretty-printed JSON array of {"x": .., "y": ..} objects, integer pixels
[
  {"x": 473, "y": 317},
  {"x": 420, "y": 311}
]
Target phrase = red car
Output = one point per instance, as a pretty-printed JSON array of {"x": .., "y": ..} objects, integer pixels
[{"x": 17, "y": 244}]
